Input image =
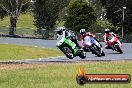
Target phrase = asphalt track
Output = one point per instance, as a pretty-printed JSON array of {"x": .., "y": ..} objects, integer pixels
[{"x": 110, "y": 55}]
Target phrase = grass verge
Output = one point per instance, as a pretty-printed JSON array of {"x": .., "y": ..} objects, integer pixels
[
  {"x": 24, "y": 25},
  {"x": 59, "y": 75},
  {"x": 17, "y": 52}
]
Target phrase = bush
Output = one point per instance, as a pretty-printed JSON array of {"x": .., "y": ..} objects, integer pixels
[{"x": 80, "y": 15}]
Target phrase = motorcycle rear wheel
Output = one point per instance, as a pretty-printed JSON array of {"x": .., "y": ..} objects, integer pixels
[
  {"x": 82, "y": 55},
  {"x": 102, "y": 54}
]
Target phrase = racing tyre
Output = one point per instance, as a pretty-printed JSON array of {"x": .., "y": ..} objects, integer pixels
[
  {"x": 68, "y": 52},
  {"x": 102, "y": 54},
  {"x": 96, "y": 52},
  {"x": 82, "y": 55},
  {"x": 118, "y": 49}
]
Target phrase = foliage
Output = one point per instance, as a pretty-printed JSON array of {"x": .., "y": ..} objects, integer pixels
[
  {"x": 2, "y": 13},
  {"x": 100, "y": 26},
  {"x": 114, "y": 9},
  {"x": 80, "y": 15},
  {"x": 13, "y": 7},
  {"x": 25, "y": 25},
  {"x": 98, "y": 7},
  {"x": 46, "y": 12}
]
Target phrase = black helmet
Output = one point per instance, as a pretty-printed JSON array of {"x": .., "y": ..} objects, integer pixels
[
  {"x": 83, "y": 32},
  {"x": 107, "y": 30}
]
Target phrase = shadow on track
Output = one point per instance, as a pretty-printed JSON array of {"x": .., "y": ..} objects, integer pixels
[{"x": 114, "y": 53}]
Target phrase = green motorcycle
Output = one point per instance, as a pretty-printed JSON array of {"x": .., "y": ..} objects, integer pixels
[{"x": 70, "y": 49}]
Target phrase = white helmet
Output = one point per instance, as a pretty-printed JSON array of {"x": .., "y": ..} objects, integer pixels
[
  {"x": 82, "y": 31},
  {"x": 60, "y": 28},
  {"x": 107, "y": 30}
]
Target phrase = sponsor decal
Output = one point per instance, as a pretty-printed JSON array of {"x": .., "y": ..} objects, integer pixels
[{"x": 83, "y": 78}]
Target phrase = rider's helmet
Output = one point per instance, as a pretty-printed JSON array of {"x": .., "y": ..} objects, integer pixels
[
  {"x": 60, "y": 30},
  {"x": 83, "y": 32},
  {"x": 107, "y": 31}
]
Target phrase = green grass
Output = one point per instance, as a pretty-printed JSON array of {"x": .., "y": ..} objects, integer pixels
[
  {"x": 24, "y": 25},
  {"x": 17, "y": 52},
  {"x": 59, "y": 75}
]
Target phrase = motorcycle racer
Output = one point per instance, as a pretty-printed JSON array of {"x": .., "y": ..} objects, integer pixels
[
  {"x": 84, "y": 34},
  {"x": 91, "y": 44},
  {"x": 66, "y": 44},
  {"x": 108, "y": 33},
  {"x": 63, "y": 32}
]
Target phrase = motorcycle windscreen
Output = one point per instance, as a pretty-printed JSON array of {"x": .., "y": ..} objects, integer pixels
[{"x": 88, "y": 40}]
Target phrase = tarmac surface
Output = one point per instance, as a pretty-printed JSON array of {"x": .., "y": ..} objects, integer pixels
[{"x": 110, "y": 55}]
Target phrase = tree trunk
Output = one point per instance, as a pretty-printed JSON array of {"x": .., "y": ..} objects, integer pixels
[{"x": 12, "y": 26}]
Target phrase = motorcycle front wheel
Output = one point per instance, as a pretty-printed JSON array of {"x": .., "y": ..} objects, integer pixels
[
  {"x": 118, "y": 48},
  {"x": 68, "y": 52},
  {"x": 96, "y": 51}
]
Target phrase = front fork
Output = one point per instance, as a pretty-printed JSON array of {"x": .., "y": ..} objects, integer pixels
[
  {"x": 119, "y": 43},
  {"x": 99, "y": 45}
]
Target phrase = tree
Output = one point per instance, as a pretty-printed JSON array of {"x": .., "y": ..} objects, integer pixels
[
  {"x": 100, "y": 25},
  {"x": 46, "y": 12},
  {"x": 98, "y": 7},
  {"x": 80, "y": 15},
  {"x": 2, "y": 13},
  {"x": 13, "y": 9},
  {"x": 114, "y": 14}
]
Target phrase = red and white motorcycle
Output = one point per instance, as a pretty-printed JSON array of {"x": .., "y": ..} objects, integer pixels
[{"x": 115, "y": 44}]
